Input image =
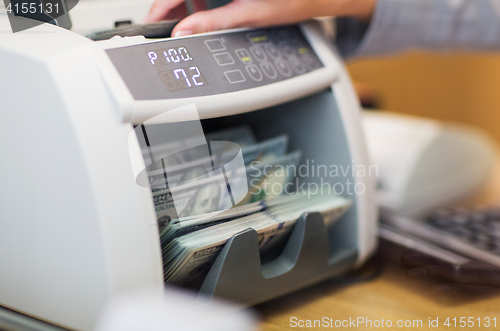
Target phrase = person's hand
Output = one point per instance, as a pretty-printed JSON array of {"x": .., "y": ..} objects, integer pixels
[{"x": 253, "y": 13}]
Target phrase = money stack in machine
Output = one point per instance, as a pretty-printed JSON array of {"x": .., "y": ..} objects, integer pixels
[{"x": 203, "y": 217}]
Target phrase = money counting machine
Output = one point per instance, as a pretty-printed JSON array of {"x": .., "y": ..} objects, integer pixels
[{"x": 77, "y": 230}]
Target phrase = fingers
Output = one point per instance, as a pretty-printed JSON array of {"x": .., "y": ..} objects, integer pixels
[
  {"x": 232, "y": 15},
  {"x": 161, "y": 9},
  {"x": 198, "y": 5},
  {"x": 178, "y": 12},
  {"x": 253, "y": 13}
]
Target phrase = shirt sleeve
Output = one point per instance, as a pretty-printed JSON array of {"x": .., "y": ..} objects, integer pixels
[{"x": 442, "y": 25}]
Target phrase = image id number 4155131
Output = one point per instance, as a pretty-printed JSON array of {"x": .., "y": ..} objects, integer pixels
[
  {"x": 471, "y": 322},
  {"x": 19, "y": 8}
]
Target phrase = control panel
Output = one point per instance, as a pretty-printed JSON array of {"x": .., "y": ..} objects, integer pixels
[{"x": 214, "y": 64}]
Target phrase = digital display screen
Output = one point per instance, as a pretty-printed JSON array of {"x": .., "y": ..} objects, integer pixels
[
  {"x": 177, "y": 78},
  {"x": 214, "y": 64},
  {"x": 169, "y": 56},
  {"x": 183, "y": 78}
]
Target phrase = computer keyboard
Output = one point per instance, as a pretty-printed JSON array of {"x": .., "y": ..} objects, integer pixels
[
  {"x": 472, "y": 232},
  {"x": 480, "y": 228}
]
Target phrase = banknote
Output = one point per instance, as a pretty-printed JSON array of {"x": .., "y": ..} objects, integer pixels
[
  {"x": 222, "y": 153},
  {"x": 183, "y": 226},
  {"x": 220, "y": 191},
  {"x": 241, "y": 135},
  {"x": 189, "y": 256},
  {"x": 276, "y": 230}
]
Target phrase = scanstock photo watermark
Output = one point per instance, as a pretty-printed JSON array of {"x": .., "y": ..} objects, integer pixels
[
  {"x": 310, "y": 178},
  {"x": 363, "y": 323}
]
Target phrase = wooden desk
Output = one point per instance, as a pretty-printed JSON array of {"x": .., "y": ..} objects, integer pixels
[{"x": 390, "y": 296}]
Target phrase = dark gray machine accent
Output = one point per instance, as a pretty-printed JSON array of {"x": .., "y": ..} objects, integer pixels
[
  {"x": 313, "y": 252},
  {"x": 215, "y": 64},
  {"x": 14, "y": 321},
  {"x": 238, "y": 274}
]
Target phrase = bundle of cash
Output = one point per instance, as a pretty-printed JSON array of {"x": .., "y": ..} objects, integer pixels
[
  {"x": 206, "y": 193},
  {"x": 187, "y": 257},
  {"x": 185, "y": 225},
  {"x": 202, "y": 197}
]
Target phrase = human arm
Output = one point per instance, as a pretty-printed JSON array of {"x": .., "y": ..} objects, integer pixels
[
  {"x": 437, "y": 25},
  {"x": 254, "y": 13}
]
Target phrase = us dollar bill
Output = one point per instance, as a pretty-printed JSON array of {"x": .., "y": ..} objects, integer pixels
[
  {"x": 206, "y": 194},
  {"x": 241, "y": 135},
  {"x": 190, "y": 256},
  {"x": 183, "y": 226},
  {"x": 222, "y": 152}
]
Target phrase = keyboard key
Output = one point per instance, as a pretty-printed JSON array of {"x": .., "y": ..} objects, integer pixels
[
  {"x": 462, "y": 232},
  {"x": 283, "y": 68},
  {"x": 254, "y": 72},
  {"x": 481, "y": 240},
  {"x": 478, "y": 217},
  {"x": 461, "y": 219},
  {"x": 235, "y": 76},
  {"x": 287, "y": 49},
  {"x": 258, "y": 37},
  {"x": 215, "y": 45},
  {"x": 224, "y": 59},
  {"x": 272, "y": 51},
  {"x": 297, "y": 65},
  {"x": 269, "y": 70},
  {"x": 243, "y": 55},
  {"x": 258, "y": 53}
]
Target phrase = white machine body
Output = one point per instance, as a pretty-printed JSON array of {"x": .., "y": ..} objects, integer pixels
[
  {"x": 76, "y": 230},
  {"x": 425, "y": 164}
]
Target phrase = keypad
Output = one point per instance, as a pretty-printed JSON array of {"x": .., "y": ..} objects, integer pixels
[
  {"x": 477, "y": 227},
  {"x": 269, "y": 55}
]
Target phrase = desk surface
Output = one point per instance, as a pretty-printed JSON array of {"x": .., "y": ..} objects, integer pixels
[{"x": 390, "y": 296}]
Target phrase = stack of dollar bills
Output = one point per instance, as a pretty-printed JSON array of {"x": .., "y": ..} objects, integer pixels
[{"x": 197, "y": 213}]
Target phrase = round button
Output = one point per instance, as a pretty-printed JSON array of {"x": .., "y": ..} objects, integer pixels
[
  {"x": 287, "y": 49},
  {"x": 243, "y": 55},
  {"x": 258, "y": 53},
  {"x": 254, "y": 72},
  {"x": 310, "y": 62},
  {"x": 272, "y": 51},
  {"x": 269, "y": 70},
  {"x": 297, "y": 65},
  {"x": 283, "y": 68}
]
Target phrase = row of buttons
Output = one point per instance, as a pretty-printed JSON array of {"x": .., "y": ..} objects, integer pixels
[
  {"x": 283, "y": 67},
  {"x": 262, "y": 37},
  {"x": 257, "y": 53},
  {"x": 286, "y": 61},
  {"x": 225, "y": 58}
]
